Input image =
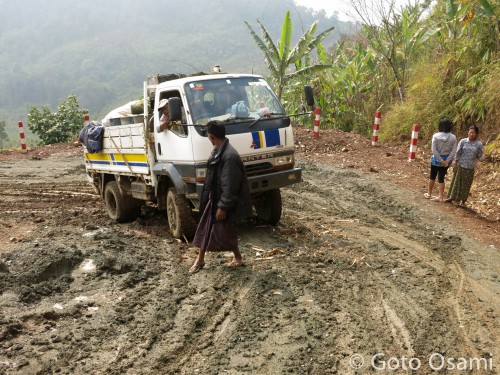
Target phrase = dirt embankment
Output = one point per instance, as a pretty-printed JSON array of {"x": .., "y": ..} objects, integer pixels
[{"x": 360, "y": 264}]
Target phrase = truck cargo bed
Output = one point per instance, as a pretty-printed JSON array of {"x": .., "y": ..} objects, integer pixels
[{"x": 124, "y": 151}]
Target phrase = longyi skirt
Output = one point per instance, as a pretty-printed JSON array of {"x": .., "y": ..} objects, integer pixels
[
  {"x": 461, "y": 184},
  {"x": 212, "y": 235}
]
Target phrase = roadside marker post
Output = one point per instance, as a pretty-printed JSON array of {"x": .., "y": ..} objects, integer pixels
[
  {"x": 85, "y": 123},
  {"x": 413, "y": 143},
  {"x": 23, "y": 138},
  {"x": 376, "y": 127},
  {"x": 316, "y": 122}
]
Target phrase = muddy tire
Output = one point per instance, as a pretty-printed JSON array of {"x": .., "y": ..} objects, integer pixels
[
  {"x": 268, "y": 207},
  {"x": 179, "y": 215},
  {"x": 120, "y": 209}
]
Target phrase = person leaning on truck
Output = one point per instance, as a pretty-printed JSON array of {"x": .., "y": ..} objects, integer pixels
[
  {"x": 225, "y": 198},
  {"x": 165, "y": 122}
]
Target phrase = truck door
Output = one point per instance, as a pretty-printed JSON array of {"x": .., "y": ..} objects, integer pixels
[{"x": 173, "y": 145}]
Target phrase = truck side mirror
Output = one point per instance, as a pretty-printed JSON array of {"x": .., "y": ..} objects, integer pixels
[
  {"x": 308, "y": 91},
  {"x": 174, "y": 109}
]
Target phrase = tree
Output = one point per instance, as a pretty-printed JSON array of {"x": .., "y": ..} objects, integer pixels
[
  {"x": 59, "y": 127},
  {"x": 4, "y": 138},
  {"x": 394, "y": 35},
  {"x": 279, "y": 57}
]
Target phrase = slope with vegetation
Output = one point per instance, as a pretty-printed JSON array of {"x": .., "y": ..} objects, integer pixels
[{"x": 418, "y": 63}]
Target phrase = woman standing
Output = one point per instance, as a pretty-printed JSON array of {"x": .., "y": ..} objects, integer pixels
[
  {"x": 444, "y": 146},
  {"x": 469, "y": 151}
]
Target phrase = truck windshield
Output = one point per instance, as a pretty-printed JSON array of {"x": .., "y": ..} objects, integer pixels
[{"x": 231, "y": 100}]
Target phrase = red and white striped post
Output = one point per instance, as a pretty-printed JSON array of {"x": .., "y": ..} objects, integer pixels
[
  {"x": 376, "y": 127},
  {"x": 317, "y": 112},
  {"x": 85, "y": 123},
  {"x": 23, "y": 139},
  {"x": 413, "y": 143}
]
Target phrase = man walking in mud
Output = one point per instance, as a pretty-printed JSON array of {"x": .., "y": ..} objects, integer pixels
[{"x": 225, "y": 198}]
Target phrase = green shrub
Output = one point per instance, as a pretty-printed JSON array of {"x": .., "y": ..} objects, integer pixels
[
  {"x": 61, "y": 126},
  {"x": 490, "y": 95},
  {"x": 425, "y": 105}
]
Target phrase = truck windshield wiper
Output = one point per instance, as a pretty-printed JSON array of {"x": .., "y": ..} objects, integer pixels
[
  {"x": 266, "y": 116},
  {"x": 237, "y": 118}
]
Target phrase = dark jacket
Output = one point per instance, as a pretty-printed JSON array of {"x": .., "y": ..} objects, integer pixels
[{"x": 227, "y": 184}]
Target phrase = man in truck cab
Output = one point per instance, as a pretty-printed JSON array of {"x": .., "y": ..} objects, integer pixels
[{"x": 165, "y": 122}]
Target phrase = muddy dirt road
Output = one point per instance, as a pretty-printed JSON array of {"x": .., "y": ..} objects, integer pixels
[{"x": 359, "y": 273}]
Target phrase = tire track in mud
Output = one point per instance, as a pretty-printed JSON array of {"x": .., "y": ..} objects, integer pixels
[
  {"x": 398, "y": 329},
  {"x": 38, "y": 198},
  {"x": 48, "y": 193}
]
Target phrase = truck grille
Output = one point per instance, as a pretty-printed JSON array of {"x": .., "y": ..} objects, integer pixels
[{"x": 258, "y": 168}]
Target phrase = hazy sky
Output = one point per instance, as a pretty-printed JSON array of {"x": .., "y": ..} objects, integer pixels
[{"x": 342, "y": 7}]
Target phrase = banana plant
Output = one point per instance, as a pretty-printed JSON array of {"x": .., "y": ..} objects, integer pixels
[
  {"x": 279, "y": 58},
  {"x": 345, "y": 89}
]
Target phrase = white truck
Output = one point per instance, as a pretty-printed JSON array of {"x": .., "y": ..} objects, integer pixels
[{"x": 138, "y": 163}]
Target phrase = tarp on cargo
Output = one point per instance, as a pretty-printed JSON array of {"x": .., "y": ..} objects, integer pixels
[
  {"x": 91, "y": 136},
  {"x": 121, "y": 112}
]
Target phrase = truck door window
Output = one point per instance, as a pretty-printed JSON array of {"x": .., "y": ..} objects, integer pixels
[{"x": 178, "y": 127}]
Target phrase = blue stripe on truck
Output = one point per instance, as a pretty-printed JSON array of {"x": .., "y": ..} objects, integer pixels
[{"x": 266, "y": 138}]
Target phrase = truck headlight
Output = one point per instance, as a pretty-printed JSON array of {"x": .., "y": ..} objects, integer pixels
[{"x": 283, "y": 160}]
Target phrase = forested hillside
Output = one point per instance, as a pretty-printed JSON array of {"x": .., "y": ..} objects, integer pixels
[{"x": 102, "y": 50}]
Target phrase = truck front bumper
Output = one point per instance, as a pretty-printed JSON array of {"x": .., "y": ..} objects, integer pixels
[
  {"x": 274, "y": 180},
  {"x": 268, "y": 181}
]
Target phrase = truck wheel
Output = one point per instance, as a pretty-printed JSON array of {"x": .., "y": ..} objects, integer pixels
[
  {"x": 179, "y": 215},
  {"x": 268, "y": 207},
  {"x": 120, "y": 208}
]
